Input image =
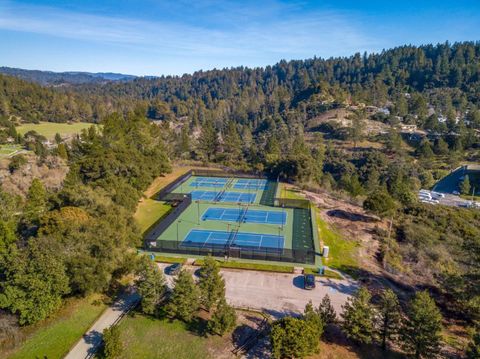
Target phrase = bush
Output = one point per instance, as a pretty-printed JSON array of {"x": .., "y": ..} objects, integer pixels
[{"x": 112, "y": 346}]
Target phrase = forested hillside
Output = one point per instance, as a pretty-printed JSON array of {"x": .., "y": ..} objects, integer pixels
[{"x": 75, "y": 240}]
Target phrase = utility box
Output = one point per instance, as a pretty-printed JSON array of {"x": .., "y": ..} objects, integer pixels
[{"x": 326, "y": 250}]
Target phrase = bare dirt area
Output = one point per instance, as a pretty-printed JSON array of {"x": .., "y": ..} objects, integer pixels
[
  {"x": 51, "y": 172},
  {"x": 342, "y": 117}
]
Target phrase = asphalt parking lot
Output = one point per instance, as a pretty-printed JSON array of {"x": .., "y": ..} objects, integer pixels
[{"x": 278, "y": 294}]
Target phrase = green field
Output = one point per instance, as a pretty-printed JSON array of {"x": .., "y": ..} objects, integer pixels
[
  {"x": 145, "y": 337},
  {"x": 49, "y": 129},
  {"x": 54, "y": 337},
  {"x": 149, "y": 212},
  {"x": 9, "y": 150}
]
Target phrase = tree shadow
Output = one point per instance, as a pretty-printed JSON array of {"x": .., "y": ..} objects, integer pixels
[
  {"x": 351, "y": 216},
  {"x": 94, "y": 339},
  {"x": 198, "y": 326}
]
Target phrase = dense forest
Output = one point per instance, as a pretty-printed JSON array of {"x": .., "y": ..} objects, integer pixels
[{"x": 256, "y": 119}]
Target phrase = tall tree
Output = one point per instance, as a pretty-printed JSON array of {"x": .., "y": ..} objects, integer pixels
[
  {"x": 389, "y": 316},
  {"x": 208, "y": 140},
  {"x": 232, "y": 144},
  {"x": 326, "y": 311},
  {"x": 184, "y": 301},
  {"x": 211, "y": 283},
  {"x": 421, "y": 333},
  {"x": 358, "y": 317},
  {"x": 36, "y": 201},
  {"x": 150, "y": 284},
  {"x": 223, "y": 319},
  {"x": 112, "y": 345},
  {"x": 312, "y": 317}
]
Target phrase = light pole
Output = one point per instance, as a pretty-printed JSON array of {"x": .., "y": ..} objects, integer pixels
[
  {"x": 198, "y": 213},
  {"x": 178, "y": 222}
]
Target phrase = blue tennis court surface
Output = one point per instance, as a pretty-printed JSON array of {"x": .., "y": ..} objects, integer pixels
[
  {"x": 215, "y": 182},
  {"x": 239, "y": 197},
  {"x": 251, "y": 184},
  {"x": 244, "y": 215},
  {"x": 205, "y": 238}
]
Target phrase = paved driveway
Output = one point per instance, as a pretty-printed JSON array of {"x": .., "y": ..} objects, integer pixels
[{"x": 279, "y": 294}]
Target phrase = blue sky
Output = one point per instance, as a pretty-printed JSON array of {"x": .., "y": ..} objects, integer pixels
[{"x": 147, "y": 37}]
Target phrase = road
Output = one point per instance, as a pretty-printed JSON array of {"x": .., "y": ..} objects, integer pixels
[
  {"x": 91, "y": 341},
  {"x": 278, "y": 294}
]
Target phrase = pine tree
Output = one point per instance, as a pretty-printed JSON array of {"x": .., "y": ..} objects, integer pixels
[
  {"x": 184, "y": 301},
  {"x": 150, "y": 285},
  {"x": 312, "y": 317},
  {"x": 208, "y": 140},
  {"x": 58, "y": 138},
  {"x": 223, "y": 319},
  {"x": 389, "y": 316},
  {"x": 62, "y": 151},
  {"x": 326, "y": 311},
  {"x": 358, "y": 317},
  {"x": 232, "y": 144},
  {"x": 211, "y": 283},
  {"x": 421, "y": 333},
  {"x": 36, "y": 201}
]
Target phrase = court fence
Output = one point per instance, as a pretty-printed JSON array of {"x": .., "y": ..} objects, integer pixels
[
  {"x": 180, "y": 202},
  {"x": 264, "y": 254}
]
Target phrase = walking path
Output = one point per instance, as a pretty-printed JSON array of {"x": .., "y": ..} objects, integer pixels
[{"x": 91, "y": 341}]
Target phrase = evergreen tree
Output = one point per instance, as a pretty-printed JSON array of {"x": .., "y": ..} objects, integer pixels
[
  {"x": 441, "y": 147},
  {"x": 232, "y": 144},
  {"x": 112, "y": 346},
  {"x": 312, "y": 317},
  {"x": 58, "y": 138},
  {"x": 465, "y": 186},
  {"x": 421, "y": 333},
  {"x": 293, "y": 338},
  {"x": 425, "y": 149},
  {"x": 326, "y": 311},
  {"x": 358, "y": 317},
  {"x": 211, "y": 283},
  {"x": 36, "y": 201},
  {"x": 223, "y": 319},
  {"x": 357, "y": 128},
  {"x": 184, "y": 301},
  {"x": 62, "y": 151},
  {"x": 150, "y": 285},
  {"x": 208, "y": 140},
  {"x": 183, "y": 150},
  {"x": 389, "y": 316}
]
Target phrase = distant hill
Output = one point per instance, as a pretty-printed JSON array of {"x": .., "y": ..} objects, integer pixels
[{"x": 50, "y": 78}]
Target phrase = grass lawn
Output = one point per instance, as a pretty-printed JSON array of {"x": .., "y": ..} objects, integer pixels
[
  {"x": 252, "y": 266},
  {"x": 49, "y": 129},
  {"x": 145, "y": 337},
  {"x": 150, "y": 211},
  {"x": 342, "y": 253},
  {"x": 8, "y": 150},
  {"x": 54, "y": 337}
]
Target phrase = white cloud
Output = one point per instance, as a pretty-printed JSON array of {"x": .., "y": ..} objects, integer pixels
[{"x": 258, "y": 34}]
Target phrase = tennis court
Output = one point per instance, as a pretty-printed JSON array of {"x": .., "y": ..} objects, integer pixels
[
  {"x": 251, "y": 184},
  {"x": 245, "y": 215},
  {"x": 238, "y": 197},
  {"x": 214, "y": 182},
  {"x": 205, "y": 238}
]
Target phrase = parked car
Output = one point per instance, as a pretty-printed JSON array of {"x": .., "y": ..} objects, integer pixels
[
  {"x": 309, "y": 281},
  {"x": 174, "y": 269}
]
